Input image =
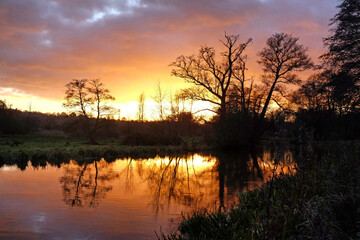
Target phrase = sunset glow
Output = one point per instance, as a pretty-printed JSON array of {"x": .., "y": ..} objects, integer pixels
[
  {"x": 179, "y": 119},
  {"x": 130, "y": 44}
]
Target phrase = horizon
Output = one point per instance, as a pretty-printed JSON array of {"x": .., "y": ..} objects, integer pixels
[{"x": 129, "y": 45}]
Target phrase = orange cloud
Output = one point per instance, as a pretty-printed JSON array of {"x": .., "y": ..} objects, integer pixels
[{"x": 129, "y": 44}]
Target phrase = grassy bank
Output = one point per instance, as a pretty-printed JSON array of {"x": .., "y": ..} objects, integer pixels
[
  {"x": 20, "y": 149},
  {"x": 321, "y": 201}
]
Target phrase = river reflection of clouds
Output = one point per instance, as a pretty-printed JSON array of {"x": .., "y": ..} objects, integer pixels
[{"x": 126, "y": 198}]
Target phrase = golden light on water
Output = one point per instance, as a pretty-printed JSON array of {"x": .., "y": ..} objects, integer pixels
[
  {"x": 139, "y": 195},
  {"x": 196, "y": 161}
]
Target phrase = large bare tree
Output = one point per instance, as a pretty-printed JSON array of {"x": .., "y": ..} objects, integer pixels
[
  {"x": 280, "y": 59},
  {"x": 88, "y": 98},
  {"x": 212, "y": 75}
]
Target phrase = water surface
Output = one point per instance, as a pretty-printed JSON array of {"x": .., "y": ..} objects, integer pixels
[{"x": 126, "y": 198}]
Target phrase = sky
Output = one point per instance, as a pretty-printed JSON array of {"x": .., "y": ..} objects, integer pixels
[{"x": 129, "y": 44}]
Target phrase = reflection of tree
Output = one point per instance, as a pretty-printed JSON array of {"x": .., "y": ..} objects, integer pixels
[
  {"x": 176, "y": 179},
  {"x": 234, "y": 173},
  {"x": 193, "y": 181},
  {"x": 129, "y": 176},
  {"x": 86, "y": 184},
  {"x": 218, "y": 179},
  {"x": 248, "y": 169}
]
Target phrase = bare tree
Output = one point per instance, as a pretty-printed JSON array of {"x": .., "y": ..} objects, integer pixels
[
  {"x": 314, "y": 94},
  {"x": 212, "y": 76},
  {"x": 174, "y": 105},
  {"x": 281, "y": 57},
  {"x": 88, "y": 98},
  {"x": 29, "y": 109},
  {"x": 185, "y": 103},
  {"x": 159, "y": 99},
  {"x": 141, "y": 106}
]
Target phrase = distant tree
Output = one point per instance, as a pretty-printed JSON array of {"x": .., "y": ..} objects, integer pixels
[
  {"x": 174, "y": 107},
  {"x": 88, "y": 98},
  {"x": 9, "y": 122},
  {"x": 185, "y": 103},
  {"x": 159, "y": 99},
  {"x": 313, "y": 94},
  {"x": 281, "y": 57},
  {"x": 212, "y": 76},
  {"x": 141, "y": 106},
  {"x": 3, "y": 104},
  {"x": 342, "y": 60}
]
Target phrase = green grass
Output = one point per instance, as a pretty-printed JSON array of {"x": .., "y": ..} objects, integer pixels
[
  {"x": 321, "y": 201},
  {"x": 34, "y": 143},
  {"x": 15, "y": 149}
]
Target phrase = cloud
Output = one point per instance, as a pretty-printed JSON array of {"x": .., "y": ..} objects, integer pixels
[
  {"x": 129, "y": 44},
  {"x": 14, "y": 92}
]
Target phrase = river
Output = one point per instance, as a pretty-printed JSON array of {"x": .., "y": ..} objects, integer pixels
[{"x": 127, "y": 198}]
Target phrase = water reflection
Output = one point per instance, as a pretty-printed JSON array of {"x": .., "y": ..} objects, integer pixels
[
  {"x": 127, "y": 198},
  {"x": 194, "y": 181},
  {"x": 87, "y": 184},
  {"x": 246, "y": 170},
  {"x": 186, "y": 180}
]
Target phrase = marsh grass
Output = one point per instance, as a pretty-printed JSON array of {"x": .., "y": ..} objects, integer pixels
[{"x": 321, "y": 201}]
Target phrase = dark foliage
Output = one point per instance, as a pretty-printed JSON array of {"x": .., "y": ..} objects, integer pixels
[
  {"x": 16, "y": 122},
  {"x": 326, "y": 125},
  {"x": 342, "y": 60},
  {"x": 319, "y": 202}
]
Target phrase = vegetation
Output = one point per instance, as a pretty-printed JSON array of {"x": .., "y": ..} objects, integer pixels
[
  {"x": 19, "y": 150},
  {"x": 342, "y": 59},
  {"x": 243, "y": 115},
  {"x": 280, "y": 59},
  {"x": 213, "y": 78},
  {"x": 88, "y": 99},
  {"x": 321, "y": 201}
]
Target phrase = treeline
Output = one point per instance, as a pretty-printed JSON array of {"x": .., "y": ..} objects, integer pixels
[
  {"x": 325, "y": 106},
  {"x": 179, "y": 130}
]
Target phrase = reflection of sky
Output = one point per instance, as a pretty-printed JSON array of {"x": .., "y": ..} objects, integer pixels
[{"x": 145, "y": 195}]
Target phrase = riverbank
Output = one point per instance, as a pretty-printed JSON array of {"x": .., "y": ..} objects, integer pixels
[
  {"x": 21, "y": 149},
  {"x": 321, "y": 201}
]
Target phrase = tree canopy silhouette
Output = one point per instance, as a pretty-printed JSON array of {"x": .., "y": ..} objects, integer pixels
[
  {"x": 280, "y": 58},
  {"x": 342, "y": 60},
  {"x": 88, "y": 99},
  {"x": 212, "y": 75}
]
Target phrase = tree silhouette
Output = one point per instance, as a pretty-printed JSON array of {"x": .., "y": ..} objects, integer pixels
[
  {"x": 212, "y": 76},
  {"x": 281, "y": 57},
  {"x": 342, "y": 60},
  {"x": 88, "y": 98},
  {"x": 159, "y": 99},
  {"x": 313, "y": 94},
  {"x": 141, "y": 106}
]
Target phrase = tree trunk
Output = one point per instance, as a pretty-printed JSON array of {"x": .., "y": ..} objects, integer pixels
[
  {"x": 262, "y": 115},
  {"x": 222, "y": 110}
]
